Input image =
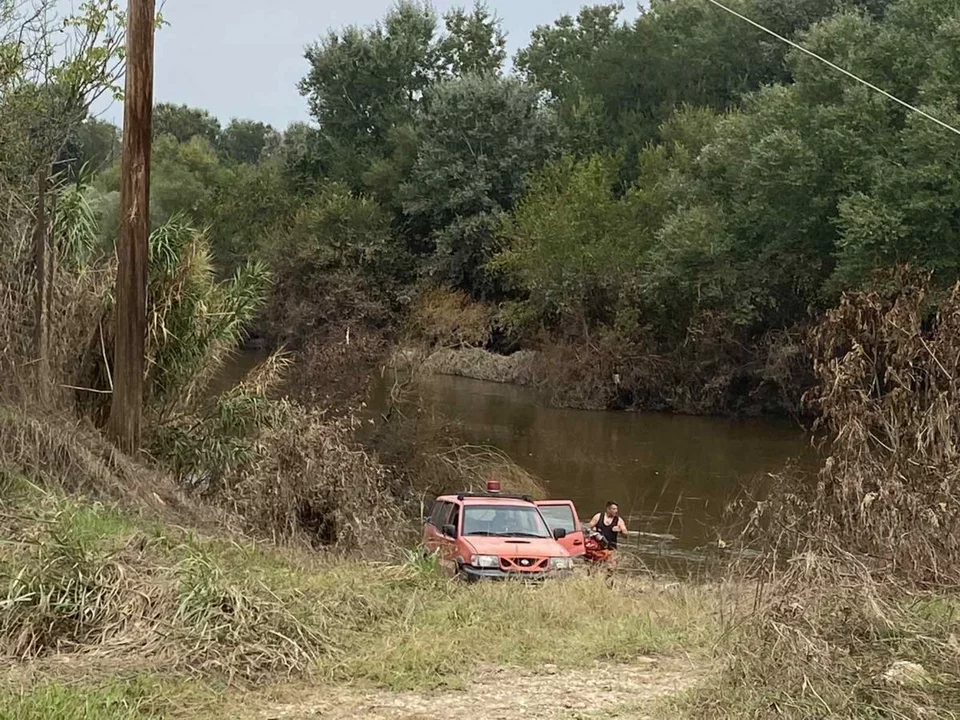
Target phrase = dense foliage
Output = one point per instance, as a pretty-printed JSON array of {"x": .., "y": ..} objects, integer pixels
[{"x": 682, "y": 183}]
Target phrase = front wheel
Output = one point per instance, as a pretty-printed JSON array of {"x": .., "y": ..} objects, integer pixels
[{"x": 461, "y": 575}]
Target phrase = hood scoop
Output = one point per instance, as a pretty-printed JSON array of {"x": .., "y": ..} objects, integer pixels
[{"x": 518, "y": 542}]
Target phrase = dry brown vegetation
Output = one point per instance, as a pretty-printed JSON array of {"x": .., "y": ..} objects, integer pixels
[
  {"x": 709, "y": 373},
  {"x": 262, "y": 465},
  {"x": 888, "y": 402},
  {"x": 90, "y": 593},
  {"x": 450, "y": 334},
  {"x": 336, "y": 374},
  {"x": 445, "y": 318},
  {"x": 857, "y": 612},
  {"x": 519, "y": 368},
  {"x": 77, "y": 298},
  {"x": 313, "y": 481}
]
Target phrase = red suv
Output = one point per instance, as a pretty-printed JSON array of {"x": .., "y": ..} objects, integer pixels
[{"x": 489, "y": 535}]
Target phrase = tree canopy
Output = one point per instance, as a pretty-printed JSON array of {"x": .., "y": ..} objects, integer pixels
[{"x": 637, "y": 178}]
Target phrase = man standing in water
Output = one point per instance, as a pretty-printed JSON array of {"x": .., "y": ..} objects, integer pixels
[{"x": 609, "y": 524}]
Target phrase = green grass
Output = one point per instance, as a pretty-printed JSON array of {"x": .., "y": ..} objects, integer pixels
[
  {"x": 58, "y": 701},
  {"x": 76, "y": 575},
  {"x": 437, "y": 633},
  {"x": 197, "y": 613},
  {"x": 143, "y": 696}
]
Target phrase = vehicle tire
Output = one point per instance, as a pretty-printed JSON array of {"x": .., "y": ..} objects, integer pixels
[{"x": 460, "y": 576}]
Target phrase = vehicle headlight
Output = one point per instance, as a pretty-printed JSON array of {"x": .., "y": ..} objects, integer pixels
[
  {"x": 485, "y": 561},
  {"x": 561, "y": 563}
]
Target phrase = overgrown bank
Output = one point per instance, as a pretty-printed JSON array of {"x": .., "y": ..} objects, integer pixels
[
  {"x": 120, "y": 617},
  {"x": 448, "y": 333}
]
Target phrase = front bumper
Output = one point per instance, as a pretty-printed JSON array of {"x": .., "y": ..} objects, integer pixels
[{"x": 473, "y": 574}]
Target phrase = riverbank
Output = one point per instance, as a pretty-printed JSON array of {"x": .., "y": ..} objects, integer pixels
[
  {"x": 769, "y": 383},
  {"x": 115, "y": 617},
  {"x": 128, "y": 595}
]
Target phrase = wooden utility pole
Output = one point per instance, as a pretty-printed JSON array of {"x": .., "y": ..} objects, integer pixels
[{"x": 132, "y": 250}]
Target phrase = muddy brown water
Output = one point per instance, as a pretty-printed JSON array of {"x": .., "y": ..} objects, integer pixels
[{"x": 672, "y": 475}]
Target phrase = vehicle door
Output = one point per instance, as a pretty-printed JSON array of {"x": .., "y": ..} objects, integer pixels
[
  {"x": 448, "y": 531},
  {"x": 432, "y": 528},
  {"x": 561, "y": 514}
]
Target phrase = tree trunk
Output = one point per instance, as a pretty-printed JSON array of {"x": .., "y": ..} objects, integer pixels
[{"x": 132, "y": 250}]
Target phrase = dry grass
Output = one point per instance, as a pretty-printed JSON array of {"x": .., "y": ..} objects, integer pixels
[
  {"x": 709, "y": 372},
  {"x": 76, "y": 305},
  {"x": 858, "y": 609},
  {"x": 888, "y": 398},
  {"x": 444, "y": 318},
  {"x": 336, "y": 373},
  {"x": 69, "y": 454},
  {"x": 79, "y": 578},
  {"x": 468, "y": 467},
  {"x": 309, "y": 479},
  {"x": 113, "y": 595},
  {"x": 444, "y": 631},
  {"x": 826, "y": 639}
]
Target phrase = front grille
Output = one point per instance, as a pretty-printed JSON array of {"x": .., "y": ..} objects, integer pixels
[{"x": 523, "y": 564}]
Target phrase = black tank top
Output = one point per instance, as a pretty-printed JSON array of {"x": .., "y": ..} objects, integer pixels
[{"x": 607, "y": 530}]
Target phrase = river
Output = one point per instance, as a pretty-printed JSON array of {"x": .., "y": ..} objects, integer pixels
[{"x": 672, "y": 475}]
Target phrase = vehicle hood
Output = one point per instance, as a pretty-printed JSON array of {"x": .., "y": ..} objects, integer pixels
[{"x": 515, "y": 547}]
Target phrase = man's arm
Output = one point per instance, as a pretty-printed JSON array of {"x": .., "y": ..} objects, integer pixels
[
  {"x": 622, "y": 527},
  {"x": 594, "y": 521}
]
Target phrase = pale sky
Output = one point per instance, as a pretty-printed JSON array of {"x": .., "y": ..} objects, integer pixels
[{"x": 244, "y": 58}]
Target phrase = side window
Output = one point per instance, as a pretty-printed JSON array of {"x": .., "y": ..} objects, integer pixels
[
  {"x": 559, "y": 516},
  {"x": 455, "y": 518},
  {"x": 450, "y": 515},
  {"x": 436, "y": 514}
]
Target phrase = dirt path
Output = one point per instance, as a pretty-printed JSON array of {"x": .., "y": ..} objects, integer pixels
[{"x": 626, "y": 691}]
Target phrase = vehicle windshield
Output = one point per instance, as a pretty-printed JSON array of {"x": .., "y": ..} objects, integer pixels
[{"x": 504, "y": 521}]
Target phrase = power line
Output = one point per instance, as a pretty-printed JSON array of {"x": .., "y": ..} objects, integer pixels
[{"x": 836, "y": 67}]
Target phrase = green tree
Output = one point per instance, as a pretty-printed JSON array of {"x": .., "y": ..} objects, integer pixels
[
  {"x": 480, "y": 137},
  {"x": 97, "y": 144},
  {"x": 184, "y": 181},
  {"x": 185, "y": 123},
  {"x": 558, "y": 54},
  {"x": 302, "y": 155},
  {"x": 248, "y": 202},
  {"x": 365, "y": 83},
  {"x": 569, "y": 246},
  {"x": 362, "y": 82},
  {"x": 335, "y": 262},
  {"x": 474, "y": 42},
  {"x": 245, "y": 141}
]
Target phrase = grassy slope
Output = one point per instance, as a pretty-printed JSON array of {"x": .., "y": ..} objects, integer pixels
[
  {"x": 120, "y": 618},
  {"x": 111, "y": 617}
]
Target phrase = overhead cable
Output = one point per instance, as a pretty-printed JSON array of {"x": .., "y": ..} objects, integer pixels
[{"x": 836, "y": 67}]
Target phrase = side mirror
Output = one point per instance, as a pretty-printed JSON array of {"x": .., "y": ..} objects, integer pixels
[
  {"x": 559, "y": 534},
  {"x": 450, "y": 530}
]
